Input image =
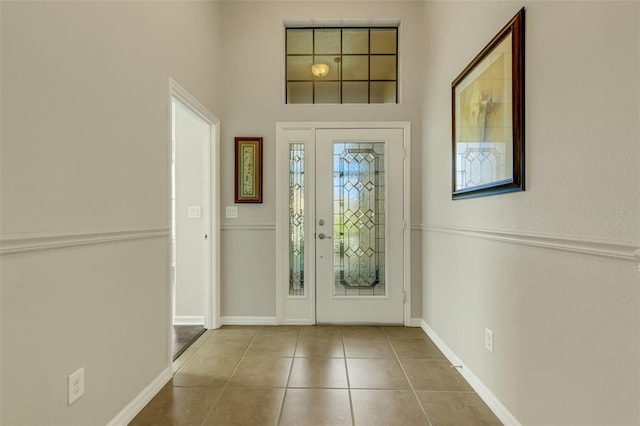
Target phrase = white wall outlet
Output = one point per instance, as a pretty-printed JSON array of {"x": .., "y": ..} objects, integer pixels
[
  {"x": 488, "y": 340},
  {"x": 232, "y": 212},
  {"x": 75, "y": 385}
]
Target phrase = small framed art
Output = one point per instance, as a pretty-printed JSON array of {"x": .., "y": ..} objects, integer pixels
[{"x": 248, "y": 168}]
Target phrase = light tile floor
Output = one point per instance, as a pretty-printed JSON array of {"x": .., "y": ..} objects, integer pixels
[{"x": 315, "y": 375}]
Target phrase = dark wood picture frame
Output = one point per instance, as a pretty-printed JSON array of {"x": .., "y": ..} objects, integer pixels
[
  {"x": 488, "y": 117},
  {"x": 248, "y": 169}
]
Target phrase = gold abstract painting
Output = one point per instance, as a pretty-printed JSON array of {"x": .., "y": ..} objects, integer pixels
[{"x": 488, "y": 118}]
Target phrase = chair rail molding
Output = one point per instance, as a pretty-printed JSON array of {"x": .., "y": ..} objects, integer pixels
[
  {"x": 27, "y": 242},
  {"x": 609, "y": 249},
  {"x": 248, "y": 227}
]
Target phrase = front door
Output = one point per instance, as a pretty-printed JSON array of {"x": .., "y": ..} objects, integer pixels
[{"x": 359, "y": 236}]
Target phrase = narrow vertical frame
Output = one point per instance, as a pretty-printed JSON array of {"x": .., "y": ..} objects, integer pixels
[
  {"x": 248, "y": 170},
  {"x": 297, "y": 222}
]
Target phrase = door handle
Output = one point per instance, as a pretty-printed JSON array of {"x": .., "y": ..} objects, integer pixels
[
  {"x": 206, "y": 236},
  {"x": 322, "y": 236}
]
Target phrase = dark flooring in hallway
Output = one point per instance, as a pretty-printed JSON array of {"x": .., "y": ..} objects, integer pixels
[{"x": 183, "y": 336}]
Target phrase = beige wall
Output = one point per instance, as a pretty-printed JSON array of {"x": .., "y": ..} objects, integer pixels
[
  {"x": 566, "y": 325},
  {"x": 85, "y": 151},
  {"x": 85, "y": 94},
  {"x": 253, "y": 96}
]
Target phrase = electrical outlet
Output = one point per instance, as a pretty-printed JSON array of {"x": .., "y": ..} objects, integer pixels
[
  {"x": 488, "y": 340},
  {"x": 75, "y": 384}
]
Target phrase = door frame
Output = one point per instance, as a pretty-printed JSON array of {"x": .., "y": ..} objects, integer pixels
[
  {"x": 212, "y": 318},
  {"x": 301, "y": 309}
]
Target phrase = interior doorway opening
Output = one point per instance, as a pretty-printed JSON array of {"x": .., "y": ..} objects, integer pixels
[{"x": 194, "y": 203}]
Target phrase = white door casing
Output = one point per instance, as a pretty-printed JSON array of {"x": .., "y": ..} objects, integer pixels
[
  {"x": 320, "y": 302},
  {"x": 208, "y": 232}
]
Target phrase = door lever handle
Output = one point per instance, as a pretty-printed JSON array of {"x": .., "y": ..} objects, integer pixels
[{"x": 322, "y": 236}]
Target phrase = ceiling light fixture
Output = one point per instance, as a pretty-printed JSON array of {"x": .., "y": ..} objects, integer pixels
[{"x": 319, "y": 70}]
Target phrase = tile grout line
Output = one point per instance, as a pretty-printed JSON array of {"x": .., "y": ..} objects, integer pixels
[
  {"x": 286, "y": 385},
  {"x": 226, "y": 385},
  {"x": 406, "y": 376},
  {"x": 346, "y": 368},
  {"x": 212, "y": 406}
]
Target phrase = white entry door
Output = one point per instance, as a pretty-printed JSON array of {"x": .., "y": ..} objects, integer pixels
[{"x": 359, "y": 238}]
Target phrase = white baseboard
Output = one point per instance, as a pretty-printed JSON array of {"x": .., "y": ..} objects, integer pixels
[
  {"x": 301, "y": 321},
  {"x": 414, "y": 322},
  {"x": 139, "y": 402},
  {"x": 249, "y": 321},
  {"x": 188, "y": 320},
  {"x": 483, "y": 392}
]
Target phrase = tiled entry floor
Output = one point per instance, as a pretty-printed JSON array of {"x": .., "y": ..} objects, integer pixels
[{"x": 315, "y": 375}]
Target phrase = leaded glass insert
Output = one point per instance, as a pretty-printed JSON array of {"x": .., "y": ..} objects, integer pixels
[
  {"x": 296, "y": 219},
  {"x": 480, "y": 163},
  {"x": 365, "y": 59},
  {"x": 359, "y": 219}
]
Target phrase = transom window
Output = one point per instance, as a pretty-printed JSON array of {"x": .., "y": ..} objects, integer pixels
[{"x": 342, "y": 65}]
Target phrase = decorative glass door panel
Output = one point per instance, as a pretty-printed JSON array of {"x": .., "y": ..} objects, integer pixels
[
  {"x": 358, "y": 218},
  {"x": 359, "y": 240},
  {"x": 296, "y": 219}
]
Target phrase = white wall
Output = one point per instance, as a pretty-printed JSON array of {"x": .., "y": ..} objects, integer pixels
[
  {"x": 191, "y": 138},
  {"x": 85, "y": 167},
  {"x": 566, "y": 324},
  {"x": 254, "y": 101}
]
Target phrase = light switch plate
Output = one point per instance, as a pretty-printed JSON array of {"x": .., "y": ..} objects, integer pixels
[
  {"x": 193, "y": 212},
  {"x": 232, "y": 212}
]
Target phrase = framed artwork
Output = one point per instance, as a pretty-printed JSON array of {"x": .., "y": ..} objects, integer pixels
[
  {"x": 248, "y": 160},
  {"x": 488, "y": 117}
]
